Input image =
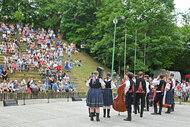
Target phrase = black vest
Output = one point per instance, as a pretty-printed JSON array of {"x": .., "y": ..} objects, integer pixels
[
  {"x": 96, "y": 84},
  {"x": 132, "y": 86},
  {"x": 108, "y": 83},
  {"x": 137, "y": 86},
  {"x": 161, "y": 86}
]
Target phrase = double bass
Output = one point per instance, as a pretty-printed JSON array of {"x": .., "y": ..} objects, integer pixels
[{"x": 119, "y": 101}]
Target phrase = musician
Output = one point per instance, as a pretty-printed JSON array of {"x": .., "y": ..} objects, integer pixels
[
  {"x": 160, "y": 87},
  {"x": 107, "y": 95},
  {"x": 173, "y": 87},
  {"x": 95, "y": 97},
  {"x": 140, "y": 90},
  {"x": 148, "y": 89},
  {"x": 129, "y": 94}
]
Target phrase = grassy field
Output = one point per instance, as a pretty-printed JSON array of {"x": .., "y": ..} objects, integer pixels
[{"x": 81, "y": 74}]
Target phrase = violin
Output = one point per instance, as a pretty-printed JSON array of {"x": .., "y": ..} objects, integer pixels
[{"x": 119, "y": 101}]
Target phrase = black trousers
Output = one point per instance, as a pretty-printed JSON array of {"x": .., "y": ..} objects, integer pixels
[
  {"x": 128, "y": 102},
  {"x": 140, "y": 96},
  {"x": 147, "y": 101},
  {"x": 158, "y": 98}
]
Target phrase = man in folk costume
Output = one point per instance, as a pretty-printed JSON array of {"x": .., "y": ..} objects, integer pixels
[
  {"x": 129, "y": 94},
  {"x": 95, "y": 97},
  {"x": 159, "y": 94},
  {"x": 107, "y": 95},
  {"x": 148, "y": 88},
  {"x": 140, "y": 91},
  {"x": 173, "y": 89}
]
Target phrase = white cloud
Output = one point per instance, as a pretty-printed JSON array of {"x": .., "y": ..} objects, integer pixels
[{"x": 182, "y": 5}]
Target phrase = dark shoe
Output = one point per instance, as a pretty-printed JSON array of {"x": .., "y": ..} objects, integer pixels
[
  {"x": 160, "y": 111},
  {"x": 91, "y": 117},
  {"x": 108, "y": 113},
  {"x": 154, "y": 113},
  {"x": 93, "y": 114},
  {"x": 172, "y": 108},
  {"x": 141, "y": 115},
  {"x": 104, "y": 113},
  {"x": 97, "y": 117},
  {"x": 168, "y": 111},
  {"x": 127, "y": 119}
]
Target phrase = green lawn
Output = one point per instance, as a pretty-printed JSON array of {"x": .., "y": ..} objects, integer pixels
[{"x": 82, "y": 73}]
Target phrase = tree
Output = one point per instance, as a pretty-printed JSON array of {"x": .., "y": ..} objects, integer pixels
[{"x": 151, "y": 18}]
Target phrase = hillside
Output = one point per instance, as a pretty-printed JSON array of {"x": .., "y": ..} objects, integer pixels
[{"x": 78, "y": 75}]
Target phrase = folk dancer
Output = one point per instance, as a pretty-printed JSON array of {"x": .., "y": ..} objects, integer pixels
[
  {"x": 161, "y": 84},
  {"x": 129, "y": 94},
  {"x": 168, "y": 95},
  {"x": 140, "y": 91},
  {"x": 95, "y": 97},
  {"x": 148, "y": 89},
  {"x": 107, "y": 95},
  {"x": 173, "y": 89}
]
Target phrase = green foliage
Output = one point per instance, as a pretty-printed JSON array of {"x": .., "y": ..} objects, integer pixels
[{"x": 18, "y": 16}]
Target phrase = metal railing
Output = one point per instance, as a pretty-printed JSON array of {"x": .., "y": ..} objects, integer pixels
[{"x": 47, "y": 95}]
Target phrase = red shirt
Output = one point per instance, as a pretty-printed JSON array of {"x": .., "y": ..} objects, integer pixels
[{"x": 59, "y": 68}]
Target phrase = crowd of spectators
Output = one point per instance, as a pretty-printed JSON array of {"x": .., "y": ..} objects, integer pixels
[{"x": 44, "y": 52}]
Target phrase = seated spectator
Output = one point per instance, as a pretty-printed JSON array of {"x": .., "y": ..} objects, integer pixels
[
  {"x": 10, "y": 86},
  {"x": 66, "y": 88},
  {"x": 67, "y": 66},
  {"x": 55, "y": 87},
  {"x": 15, "y": 86},
  {"x": 1, "y": 74},
  {"x": 44, "y": 87},
  {"x": 4, "y": 86},
  {"x": 58, "y": 68},
  {"x": 5, "y": 74}
]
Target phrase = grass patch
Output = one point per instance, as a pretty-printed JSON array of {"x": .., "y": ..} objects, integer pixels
[{"x": 82, "y": 73}]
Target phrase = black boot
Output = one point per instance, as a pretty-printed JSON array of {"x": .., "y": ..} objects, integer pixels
[
  {"x": 147, "y": 107},
  {"x": 104, "y": 113},
  {"x": 91, "y": 116},
  {"x": 142, "y": 110},
  {"x": 97, "y": 117},
  {"x": 138, "y": 109},
  {"x": 172, "y": 107},
  {"x": 128, "y": 118},
  {"x": 168, "y": 111},
  {"x": 135, "y": 109},
  {"x": 108, "y": 113},
  {"x": 160, "y": 111},
  {"x": 155, "y": 112}
]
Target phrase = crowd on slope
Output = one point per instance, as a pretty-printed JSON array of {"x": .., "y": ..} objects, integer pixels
[{"x": 44, "y": 52}]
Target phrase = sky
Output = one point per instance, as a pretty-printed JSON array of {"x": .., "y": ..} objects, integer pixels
[{"x": 182, "y": 5}]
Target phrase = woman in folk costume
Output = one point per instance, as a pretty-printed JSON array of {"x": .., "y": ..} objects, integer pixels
[
  {"x": 95, "y": 97},
  {"x": 167, "y": 100},
  {"x": 107, "y": 95}
]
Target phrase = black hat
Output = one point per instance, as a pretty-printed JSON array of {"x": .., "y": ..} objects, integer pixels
[{"x": 108, "y": 74}]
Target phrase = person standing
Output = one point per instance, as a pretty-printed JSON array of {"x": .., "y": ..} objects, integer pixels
[
  {"x": 173, "y": 89},
  {"x": 159, "y": 93},
  {"x": 129, "y": 94},
  {"x": 140, "y": 91},
  {"x": 148, "y": 89},
  {"x": 107, "y": 95},
  {"x": 167, "y": 95},
  {"x": 95, "y": 97}
]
